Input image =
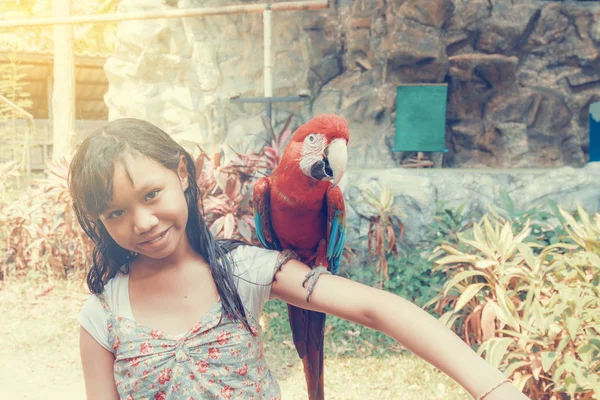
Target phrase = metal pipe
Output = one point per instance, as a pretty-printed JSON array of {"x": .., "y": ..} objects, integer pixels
[
  {"x": 282, "y": 99},
  {"x": 179, "y": 13},
  {"x": 26, "y": 161},
  {"x": 268, "y": 63}
]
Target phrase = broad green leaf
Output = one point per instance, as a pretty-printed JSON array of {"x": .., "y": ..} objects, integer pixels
[
  {"x": 467, "y": 295},
  {"x": 563, "y": 343},
  {"x": 586, "y": 353},
  {"x": 525, "y": 232},
  {"x": 506, "y": 235},
  {"x": 506, "y": 318},
  {"x": 459, "y": 277},
  {"x": 558, "y": 372},
  {"x": 573, "y": 228},
  {"x": 527, "y": 254},
  {"x": 548, "y": 358},
  {"x": 520, "y": 272},
  {"x": 538, "y": 314},
  {"x": 485, "y": 346},
  {"x": 449, "y": 318},
  {"x": 478, "y": 234},
  {"x": 585, "y": 220},
  {"x": 579, "y": 372},
  {"x": 484, "y": 264},
  {"x": 493, "y": 235},
  {"x": 479, "y": 245},
  {"x": 504, "y": 300},
  {"x": 451, "y": 250},
  {"x": 594, "y": 259},
  {"x": 573, "y": 324},
  {"x": 457, "y": 259},
  {"x": 514, "y": 365},
  {"x": 497, "y": 350},
  {"x": 571, "y": 385}
]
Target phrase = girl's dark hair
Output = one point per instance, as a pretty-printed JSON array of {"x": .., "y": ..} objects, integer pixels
[{"x": 90, "y": 183}]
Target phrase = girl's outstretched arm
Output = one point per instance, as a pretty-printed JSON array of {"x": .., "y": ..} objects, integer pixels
[{"x": 398, "y": 318}]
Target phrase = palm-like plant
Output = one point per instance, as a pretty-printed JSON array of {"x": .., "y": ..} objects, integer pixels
[{"x": 385, "y": 228}]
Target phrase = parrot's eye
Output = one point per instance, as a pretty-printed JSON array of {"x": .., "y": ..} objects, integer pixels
[{"x": 311, "y": 138}]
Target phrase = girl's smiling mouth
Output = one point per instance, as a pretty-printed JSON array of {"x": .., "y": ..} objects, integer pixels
[{"x": 157, "y": 241}]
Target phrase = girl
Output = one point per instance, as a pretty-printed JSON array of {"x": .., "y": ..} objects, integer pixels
[{"x": 174, "y": 313}]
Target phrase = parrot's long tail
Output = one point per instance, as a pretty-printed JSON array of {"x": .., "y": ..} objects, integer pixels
[{"x": 308, "y": 332}]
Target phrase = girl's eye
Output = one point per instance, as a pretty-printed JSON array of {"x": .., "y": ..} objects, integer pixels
[
  {"x": 114, "y": 214},
  {"x": 152, "y": 195}
]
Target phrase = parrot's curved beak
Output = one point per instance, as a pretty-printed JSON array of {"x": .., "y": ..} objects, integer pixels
[{"x": 337, "y": 157}]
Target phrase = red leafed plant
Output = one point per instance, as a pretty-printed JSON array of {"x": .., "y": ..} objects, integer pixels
[
  {"x": 227, "y": 190},
  {"x": 39, "y": 233},
  {"x": 229, "y": 211},
  {"x": 205, "y": 174},
  {"x": 225, "y": 198},
  {"x": 269, "y": 157}
]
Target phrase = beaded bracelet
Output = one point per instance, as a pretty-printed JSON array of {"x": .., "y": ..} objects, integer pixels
[{"x": 496, "y": 386}]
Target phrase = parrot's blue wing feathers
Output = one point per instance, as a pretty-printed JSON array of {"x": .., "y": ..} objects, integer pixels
[
  {"x": 262, "y": 219},
  {"x": 336, "y": 240},
  {"x": 259, "y": 231},
  {"x": 258, "y": 223}
]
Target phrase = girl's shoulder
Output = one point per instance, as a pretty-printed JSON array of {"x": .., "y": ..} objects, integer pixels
[
  {"x": 248, "y": 255},
  {"x": 93, "y": 316},
  {"x": 114, "y": 294},
  {"x": 253, "y": 270}
]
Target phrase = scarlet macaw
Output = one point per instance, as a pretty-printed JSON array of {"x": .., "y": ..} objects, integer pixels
[{"x": 301, "y": 208}]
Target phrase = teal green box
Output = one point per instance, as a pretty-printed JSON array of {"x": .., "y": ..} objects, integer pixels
[{"x": 421, "y": 117}]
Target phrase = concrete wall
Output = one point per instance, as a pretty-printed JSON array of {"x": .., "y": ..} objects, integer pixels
[{"x": 418, "y": 193}]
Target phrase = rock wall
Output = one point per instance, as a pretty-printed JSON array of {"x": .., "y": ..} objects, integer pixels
[
  {"x": 521, "y": 75},
  {"x": 420, "y": 193}
]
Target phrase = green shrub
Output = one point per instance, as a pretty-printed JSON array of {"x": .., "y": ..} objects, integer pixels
[{"x": 532, "y": 308}]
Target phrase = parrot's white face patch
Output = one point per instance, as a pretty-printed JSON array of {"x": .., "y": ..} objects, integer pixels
[{"x": 312, "y": 151}]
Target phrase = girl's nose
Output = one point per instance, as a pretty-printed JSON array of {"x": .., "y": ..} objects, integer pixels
[{"x": 144, "y": 221}]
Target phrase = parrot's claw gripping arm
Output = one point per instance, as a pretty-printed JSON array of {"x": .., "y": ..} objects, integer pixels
[
  {"x": 312, "y": 278},
  {"x": 284, "y": 256}
]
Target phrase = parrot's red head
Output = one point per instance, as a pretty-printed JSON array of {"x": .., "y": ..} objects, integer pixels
[{"x": 320, "y": 146}]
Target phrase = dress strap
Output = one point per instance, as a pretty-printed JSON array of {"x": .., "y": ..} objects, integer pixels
[
  {"x": 103, "y": 301},
  {"x": 112, "y": 323}
]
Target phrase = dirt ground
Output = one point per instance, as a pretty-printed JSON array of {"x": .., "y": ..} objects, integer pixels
[{"x": 39, "y": 356}]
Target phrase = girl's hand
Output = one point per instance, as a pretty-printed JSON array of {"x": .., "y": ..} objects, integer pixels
[{"x": 506, "y": 391}]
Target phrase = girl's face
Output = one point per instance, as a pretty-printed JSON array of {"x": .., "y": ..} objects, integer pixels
[{"x": 148, "y": 212}]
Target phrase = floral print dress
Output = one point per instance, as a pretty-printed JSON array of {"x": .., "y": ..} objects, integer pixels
[{"x": 211, "y": 361}]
